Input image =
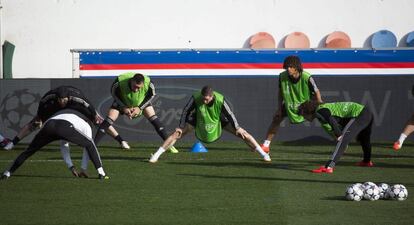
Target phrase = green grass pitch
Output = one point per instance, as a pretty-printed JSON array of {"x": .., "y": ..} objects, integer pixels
[{"x": 227, "y": 185}]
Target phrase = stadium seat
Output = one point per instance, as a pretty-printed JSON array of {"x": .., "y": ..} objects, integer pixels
[
  {"x": 297, "y": 40},
  {"x": 410, "y": 39},
  {"x": 262, "y": 40},
  {"x": 383, "y": 39},
  {"x": 338, "y": 39}
]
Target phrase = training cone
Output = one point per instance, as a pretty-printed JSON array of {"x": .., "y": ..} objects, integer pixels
[{"x": 198, "y": 147}]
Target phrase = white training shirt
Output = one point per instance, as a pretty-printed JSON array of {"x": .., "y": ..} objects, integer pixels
[{"x": 78, "y": 123}]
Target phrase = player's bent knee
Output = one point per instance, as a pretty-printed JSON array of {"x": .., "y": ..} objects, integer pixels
[{"x": 176, "y": 135}]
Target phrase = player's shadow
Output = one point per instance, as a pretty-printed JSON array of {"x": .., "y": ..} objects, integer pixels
[
  {"x": 110, "y": 147},
  {"x": 135, "y": 146},
  {"x": 359, "y": 154},
  {"x": 387, "y": 146},
  {"x": 55, "y": 177},
  {"x": 103, "y": 158},
  {"x": 266, "y": 178},
  {"x": 353, "y": 164},
  {"x": 322, "y": 141},
  {"x": 44, "y": 176},
  {"x": 255, "y": 164},
  {"x": 234, "y": 147},
  {"x": 130, "y": 158},
  {"x": 309, "y": 141},
  {"x": 335, "y": 198}
]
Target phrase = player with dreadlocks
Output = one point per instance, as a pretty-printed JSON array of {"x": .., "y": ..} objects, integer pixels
[{"x": 295, "y": 87}]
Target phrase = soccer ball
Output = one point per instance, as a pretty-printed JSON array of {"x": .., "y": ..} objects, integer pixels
[
  {"x": 354, "y": 192},
  {"x": 398, "y": 192},
  {"x": 368, "y": 184},
  {"x": 384, "y": 189},
  {"x": 358, "y": 184},
  {"x": 371, "y": 191}
]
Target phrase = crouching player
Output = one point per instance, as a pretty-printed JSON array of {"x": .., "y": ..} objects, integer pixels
[
  {"x": 208, "y": 112},
  {"x": 133, "y": 94},
  {"x": 69, "y": 127},
  {"x": 57, "y": 100},
  {"x": 344, "y": 121}
]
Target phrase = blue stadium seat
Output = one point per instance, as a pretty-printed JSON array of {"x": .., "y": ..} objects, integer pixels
[
  {"x": 383, "y": 39},
  {"x": 410, "y": 39}
]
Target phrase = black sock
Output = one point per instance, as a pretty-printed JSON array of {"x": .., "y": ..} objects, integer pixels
[
  {"x": 366, "y": 148},
  {"x": 16, "y": 140},
  {"x": 330, "y": 163},
  {"x": 367, "y": 156},
  {"x": 159, "y": 128},
  {"x": 119, "y": 139},
  {"x": 101, "y": 131}
]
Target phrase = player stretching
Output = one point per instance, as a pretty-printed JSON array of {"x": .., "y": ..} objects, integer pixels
[
  {"x": 408, "y": 129},
  {"x": 344, "y": 121},
  {"x": 55, "y": 100},
  {"x": 295, "y": 87},
  {"x": 132, "y": 93},
  {"x": 208, "y": 113},
  {"x": 66, "y": 126}
]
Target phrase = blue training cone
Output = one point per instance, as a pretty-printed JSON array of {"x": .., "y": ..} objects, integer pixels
[{"x": 198, "y": 147}]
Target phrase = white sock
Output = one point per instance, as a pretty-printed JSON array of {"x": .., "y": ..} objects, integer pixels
[
  {"x": 101, "y": 171},
  {"x": 6, "y": 173},
  {"x": 402, "y": 138},
  {"x": 64, "y": 149},
  {"x": 260, "y": 150},
  {"x": 160, "y": 151},
  {"x": 266, "y": 143},
  {"x": 1, "y": 138}
]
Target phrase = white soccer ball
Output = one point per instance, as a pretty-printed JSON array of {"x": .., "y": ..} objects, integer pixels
[
  {"x": 368, "y": 184},
  {"x": 371, "y": 191},
  {"x": 398, "y": 192},
  {"x": 384, "y": 189},
  {"x": 359, "y": 185},
  {"x": 354, "y": 192}
]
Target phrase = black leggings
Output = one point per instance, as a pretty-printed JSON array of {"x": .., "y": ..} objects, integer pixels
[
  {"x": 360, "y": 127},
  {"x": 57, "y": 130}
]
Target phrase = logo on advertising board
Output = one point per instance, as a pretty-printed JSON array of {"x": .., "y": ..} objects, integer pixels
[{"x": 18, "y": 108}]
